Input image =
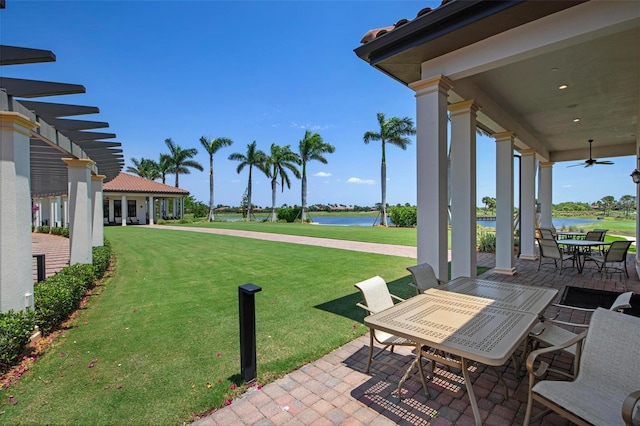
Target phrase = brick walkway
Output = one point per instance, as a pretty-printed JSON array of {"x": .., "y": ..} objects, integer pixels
[
  {"x": 55, "y": 249},
  {"x": 333, "y": 390}
]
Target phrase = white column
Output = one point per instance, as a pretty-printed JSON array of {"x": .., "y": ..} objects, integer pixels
[
  {"x": 182, "y": 207},
  {"x": 463, "y": 189},
  {"x": 504, "y": 204},
  {"x": 546, "y": 192},
  {"x": 528, "y": 207},
  {"x": 112, "y": 211},
  {"x": 65, "y": 207},
  {"x": 175, "y": 208},
  {"x": 431, "y": 157},
  {"x": 97, "y": 234},
  {"x": 59, "y": 219},
  {"x": 80, "y": 210},
  {"x": 124, "y": 212},
  {"x": 39, "y": 213},
  {"x": 151, "y": 212},
  {"x": 53, "y": 209},
  {"x": 16, "y": 273}
]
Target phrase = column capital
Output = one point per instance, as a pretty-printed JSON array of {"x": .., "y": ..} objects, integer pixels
[
  {"x": 464, "y": 107},
  {"x": 14, "y": 121},
  {"x": 503, "y": 136},
  {"x": 78, "y": 162},
  {"x": 546, "y": 164},
  {"x": 527, "y": 152},
  {"x": 439, "y": 83},
  {"x": 97, "y": 177}
]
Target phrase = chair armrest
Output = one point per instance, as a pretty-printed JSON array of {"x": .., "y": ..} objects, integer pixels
[
  {"x": 365, "y": 307},
  {"x": 399, "y": 299},
  {"x": 567, "y": 323},
  {"x": 575, "y": 308},
  {"x": 627, "y": 407},
  {"x": 531, "y": 359}
]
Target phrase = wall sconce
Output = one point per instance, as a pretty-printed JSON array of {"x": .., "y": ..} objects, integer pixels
[{"x": 635, "y": 175}]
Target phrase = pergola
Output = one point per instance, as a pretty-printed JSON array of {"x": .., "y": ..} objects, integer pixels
[
  {"x": 55, "y": 160},
  {"x": 541, "y": 77}
]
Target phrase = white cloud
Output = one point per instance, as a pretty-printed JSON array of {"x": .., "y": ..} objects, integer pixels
[
  {"x": 312, "y": 127},
  {"x": 358, "y": 180},
  {"x": 322, "y": 174},
  {"x": 566, "y": 186}
]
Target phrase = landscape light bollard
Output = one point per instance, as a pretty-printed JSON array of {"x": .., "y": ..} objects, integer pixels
[
  {"x": 246, "y": 300},
  {"x": 40, "y": 268}
]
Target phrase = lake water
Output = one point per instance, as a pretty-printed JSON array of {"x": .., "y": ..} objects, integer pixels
[{"x": 559, "y": 223}]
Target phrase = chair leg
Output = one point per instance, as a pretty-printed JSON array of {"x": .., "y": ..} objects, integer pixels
[{"x": 370, "y": 351}]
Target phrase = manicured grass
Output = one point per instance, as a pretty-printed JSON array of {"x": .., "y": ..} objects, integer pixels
[
  {"x": 372, "y": 234},
  {"x": 164, "y": 329}
]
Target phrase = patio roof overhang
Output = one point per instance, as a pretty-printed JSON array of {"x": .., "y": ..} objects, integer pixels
[
  {"x": 512, "y": 57},
  {"x": 56, "y": 137}
]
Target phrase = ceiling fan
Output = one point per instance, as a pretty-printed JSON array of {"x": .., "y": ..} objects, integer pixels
[{"x": 591, "y": 161}]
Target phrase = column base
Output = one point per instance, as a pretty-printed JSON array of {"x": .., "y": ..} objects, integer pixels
[
  {"x": 528, "y": 256},
  {"x": 505, "y": 271}
]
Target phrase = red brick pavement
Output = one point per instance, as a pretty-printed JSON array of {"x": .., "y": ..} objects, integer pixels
[{"x": 55, "y": 249}]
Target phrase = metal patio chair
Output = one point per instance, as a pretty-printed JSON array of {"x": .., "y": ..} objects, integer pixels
[
  {"x": 549, "y": 250},
  {"x": 424, "y": 277},
  {"x": 617, "y": 254}
]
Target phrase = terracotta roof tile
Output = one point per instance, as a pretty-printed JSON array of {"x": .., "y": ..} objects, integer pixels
[
  {"x": 377, "y": 32},
  {"x": 125, "y": 182}
]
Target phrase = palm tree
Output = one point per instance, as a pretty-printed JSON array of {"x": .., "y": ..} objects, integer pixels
[
  {"x": 180, "y": 159},
  {"x": 252, "y": 158},
  {"x": 212, "y": 146},
  {"x": 145, "y": 168},
  {"x": 281, "y": 159},
  {"x": 164, "y": 166},
  {"x": 394, "y": 131},
  {"x": 311, "y": 147}
]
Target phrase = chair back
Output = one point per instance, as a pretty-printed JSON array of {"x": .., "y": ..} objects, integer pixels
[
  {"x": 594, "y": 236},
  {"x": 549, "y": 248},
  {"x": 617, "y": 251},
  {"x": 375, "y": 294},
  {"x": 545, "y": 233},
  {"x": 423, "y": 277},
  {"x": 604, "y": 232},
  {"x": 610, "y": 350},
  {"x": 623, "y": 301}
]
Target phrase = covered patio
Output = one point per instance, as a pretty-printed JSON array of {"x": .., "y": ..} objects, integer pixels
[{"x": 542, "y": 78}]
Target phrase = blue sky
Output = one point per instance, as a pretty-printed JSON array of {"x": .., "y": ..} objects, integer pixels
[{"x": 263, "y": 71}]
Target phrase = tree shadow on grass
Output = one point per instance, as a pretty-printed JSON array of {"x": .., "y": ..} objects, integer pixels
[{"x": 346, "y": 305}]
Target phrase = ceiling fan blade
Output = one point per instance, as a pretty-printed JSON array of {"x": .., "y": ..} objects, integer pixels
[
  {"x": 608, "y": 163},
  {"x": 576, "y": 165}
]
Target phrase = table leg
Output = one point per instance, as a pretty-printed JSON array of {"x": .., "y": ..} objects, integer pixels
[
  {"x": 418, "y": 360},
  {"x": 472, "y": 396}
]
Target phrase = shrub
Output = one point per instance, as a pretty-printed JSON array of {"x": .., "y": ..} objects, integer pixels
[
  {"x": 288, "y": 214},
  {"x": 44, "y": 229},
  {"x": 487, "y": 242},
  {"x": 101, "y": 259},
  {"x": 15, "y": 330},
  {"x": 54, "y": 301},
  {"x": 404, "y": 216}
]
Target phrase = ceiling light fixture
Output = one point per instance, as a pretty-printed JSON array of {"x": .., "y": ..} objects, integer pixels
[
  {"x": 562, "y": 87},
  {"x": 576, "y": 120},
  {"x": 635, "y": 175}
]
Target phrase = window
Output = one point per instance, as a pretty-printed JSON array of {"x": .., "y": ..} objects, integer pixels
[
  {"x": 131, "y": 209},
  {"x": 117, "y": 208}
]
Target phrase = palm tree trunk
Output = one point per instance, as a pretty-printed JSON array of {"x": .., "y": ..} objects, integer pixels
[
  {"x": 210, "y": 218},
  {"x": 383, "y": 207},
  {"x": 274, "y": 216},
  {"x": 249, "y": 196},
  {"x": 304, "y": 198}
]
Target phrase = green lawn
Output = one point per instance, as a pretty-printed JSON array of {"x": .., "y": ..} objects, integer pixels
[
  {"x": 162, "y": 336},
  {"x": 373, "y": 234}
]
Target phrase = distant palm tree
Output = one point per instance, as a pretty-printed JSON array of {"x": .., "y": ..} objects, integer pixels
[
  {"x": 164, "y": 167},
  {"x": 145, "y": 168},
  {"x": 180, "y": 159},
  {"x": 252, "y": 158},
  {"x": 212, "y": 146},
  {"x": 393, "y": 131},
  {"x": 311, "y": 147},
  {"x": 281, "y": 159}
]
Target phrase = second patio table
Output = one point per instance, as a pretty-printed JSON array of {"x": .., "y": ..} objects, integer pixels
[
  {"x": 579, "y": 245},
  {"x": 474, "y": 328}
]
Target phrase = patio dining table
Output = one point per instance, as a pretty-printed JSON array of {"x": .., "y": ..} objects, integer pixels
[
  {"x": 579, "y": 246},
  {"x": 571, "y": 235},
  {"x": 474, "y": 320}
]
